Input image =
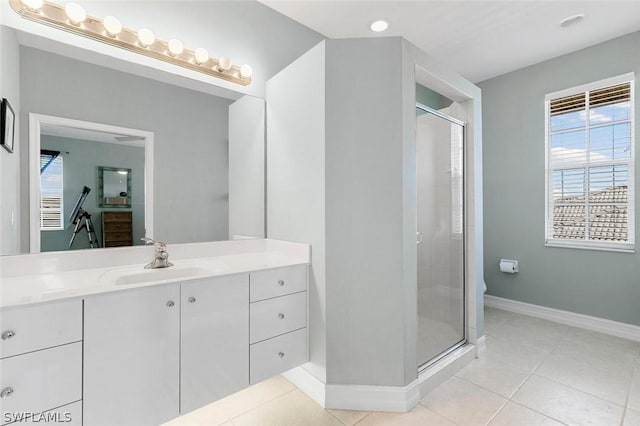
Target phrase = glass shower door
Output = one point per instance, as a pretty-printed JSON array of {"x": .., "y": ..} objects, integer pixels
[{"x": 440, "y": 173}]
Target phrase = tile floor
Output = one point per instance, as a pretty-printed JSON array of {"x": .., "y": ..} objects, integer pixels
[{"x": 532, "y": 372}]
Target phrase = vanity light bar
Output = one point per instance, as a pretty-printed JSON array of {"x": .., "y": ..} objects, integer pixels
[{"x": 72, "y": 18}]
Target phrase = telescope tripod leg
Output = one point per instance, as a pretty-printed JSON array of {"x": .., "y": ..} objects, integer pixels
[
  {"x": 91, "y": 233},
  {"x": 75, "y": 232}
]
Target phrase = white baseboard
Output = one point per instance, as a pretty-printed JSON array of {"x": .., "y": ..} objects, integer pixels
[
  {"x": 307, "y": 383},
  {"x": 613, "y": 328},
  {"x": 481, "y": 343},
  {"x": 373, "y": 398},
  {"x": 355, "y": 397}
]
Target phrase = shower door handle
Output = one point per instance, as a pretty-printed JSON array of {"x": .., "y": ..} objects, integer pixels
[{"x": 418, "y": 237}]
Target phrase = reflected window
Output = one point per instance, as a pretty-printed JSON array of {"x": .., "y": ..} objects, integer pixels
[{"x": 51, "y": 191}]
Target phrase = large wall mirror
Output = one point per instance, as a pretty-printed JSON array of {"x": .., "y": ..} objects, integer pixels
[{"x": 107, "y": 157}]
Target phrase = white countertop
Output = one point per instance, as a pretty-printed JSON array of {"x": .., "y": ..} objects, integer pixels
[{"x": 55, "y": 285}]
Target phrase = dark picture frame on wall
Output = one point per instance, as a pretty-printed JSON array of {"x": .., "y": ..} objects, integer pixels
[{"x": 7, "y": 125}]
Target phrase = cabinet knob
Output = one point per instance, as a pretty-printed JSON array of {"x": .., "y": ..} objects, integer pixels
[
  {"x": 191, "y": 299},
  {"x": 8, "y": 334},
  {"x": 281, "y": 315},
  {"x": 6, "y": 392},
  {"x": 281, "y": 282},
  {"x": 281, "y": 354},
  {"x": 170, "y": 303}
]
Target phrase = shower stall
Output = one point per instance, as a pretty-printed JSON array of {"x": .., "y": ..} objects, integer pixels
[{"x": 441, "y": 233}]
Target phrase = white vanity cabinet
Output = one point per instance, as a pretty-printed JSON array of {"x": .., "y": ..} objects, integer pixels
[
  {"x": 214, "y": 328},
  {"x": 41, "y": 360},
  {"x": 278, "y": 321},
  {"x": 132, "y": 356},
  {"x": 155, "y": 352}
]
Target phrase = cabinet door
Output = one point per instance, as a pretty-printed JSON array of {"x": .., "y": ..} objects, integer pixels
[
  {"x": 214, "y": 358},
  {"x": 131, "y": 357}
]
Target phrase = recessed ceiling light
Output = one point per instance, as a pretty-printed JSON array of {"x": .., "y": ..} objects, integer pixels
[
  {"x": 379, "y": 26},
  {"x": 571, "y": 20}
]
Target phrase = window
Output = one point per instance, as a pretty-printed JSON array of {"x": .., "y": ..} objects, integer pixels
[
  {"x": 51, "y": 181},
  {"x": 589, "y": 143}
]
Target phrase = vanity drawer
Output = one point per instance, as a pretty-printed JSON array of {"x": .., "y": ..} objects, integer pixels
[
  {"x": 277, "y": 282},
  {"x": 117, "y": 237},
  {"x": 273, "y": 317},
  {"x": 276, "y": 355},
  {"x": 30, "y": 328},
  {"x": 117, "y": 226},
  {"x": 42, "y": 380},
  {"x": 116, "y": 216}
]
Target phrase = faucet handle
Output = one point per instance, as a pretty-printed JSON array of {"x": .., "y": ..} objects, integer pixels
[
  {"x": 159, "y": 245},
  {"x": 147, "y": 241}
]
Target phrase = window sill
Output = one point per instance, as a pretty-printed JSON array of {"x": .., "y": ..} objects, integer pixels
[{"x": 588, "y": 245}]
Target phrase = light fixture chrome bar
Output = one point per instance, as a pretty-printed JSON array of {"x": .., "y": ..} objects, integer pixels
[{"x": 54, "y": 15}]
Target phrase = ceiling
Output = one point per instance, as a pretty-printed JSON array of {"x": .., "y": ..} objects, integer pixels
[
  {"x": 479, "y": 39},
  {"x": 90, "y": 135}
]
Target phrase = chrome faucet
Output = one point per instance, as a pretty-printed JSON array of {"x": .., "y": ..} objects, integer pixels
[{"x": 161, "y": 259}]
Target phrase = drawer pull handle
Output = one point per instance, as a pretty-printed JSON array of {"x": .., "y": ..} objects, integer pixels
[
  {"x": 8, "y": 334},
  {"x": 281, "y": 315},
  {"x": 192, "y": 299},
  {"x": 170, "y": 303},
  {"x": 6, "y": 392},
  {"x": 281, "y": 354},
  {"x": 281, "y": 282}
]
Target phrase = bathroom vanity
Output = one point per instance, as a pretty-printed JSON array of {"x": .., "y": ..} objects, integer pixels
[{"x": 128, "y": 346}]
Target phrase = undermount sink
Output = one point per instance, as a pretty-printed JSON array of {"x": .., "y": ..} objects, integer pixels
[{"x": 160, "y": 274}]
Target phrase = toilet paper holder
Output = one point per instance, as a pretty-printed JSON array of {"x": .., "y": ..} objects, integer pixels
[{"x": 508, "y": 266}]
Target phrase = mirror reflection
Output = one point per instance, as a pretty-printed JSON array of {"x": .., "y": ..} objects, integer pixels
[{"x": 160, "y": 157}]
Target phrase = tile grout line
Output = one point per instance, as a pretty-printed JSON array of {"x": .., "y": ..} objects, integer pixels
[
  {"x": 231, "y": 419},
  {"x": 529, "y": 375},
  {"x": 626, "y": 402},
  {"x": 362, "y": 419}
]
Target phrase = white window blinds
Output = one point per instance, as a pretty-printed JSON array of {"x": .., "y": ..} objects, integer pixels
[
  {"x": 51, "y": 191},
  {"x": 590, "y": 166}
]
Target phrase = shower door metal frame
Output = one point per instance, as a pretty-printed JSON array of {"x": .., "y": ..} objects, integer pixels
[{"x": 422, "y": 367}]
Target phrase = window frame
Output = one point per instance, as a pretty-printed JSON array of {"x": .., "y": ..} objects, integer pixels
[
  {"x": 61, "y": 226},
  {"x": 629, "y": 245}
]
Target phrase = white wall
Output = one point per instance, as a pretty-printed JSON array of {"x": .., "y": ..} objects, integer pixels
[
  {"x": 247, "y": 167},
  {"x": 364, "y": 184},
  {"x": 10, "y": 163},
  {"x": 296, "y": 177}
]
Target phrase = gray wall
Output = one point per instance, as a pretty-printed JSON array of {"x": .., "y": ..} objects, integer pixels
[
  {"x": 598, "y": 283},
  {"x": 296, "y": 178},
  {"x": 10, "y": 182},
  {"x": 80, "y": 160},
  {"x": 190, "y": 137}
]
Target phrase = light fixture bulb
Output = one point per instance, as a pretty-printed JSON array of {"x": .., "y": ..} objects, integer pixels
[
  {"x": 33, "y": 4},
  {"x": 224, "y": 63},
  {"x": 175, "y": 47},
  {"x": 146, "y": 37},
  {"x": 112, "y": 25},
  {"x": 75, "y": 13},
  {"x": 201, "y": 55},
  {"x": 246, "y": 71},
  {"x": 379, "y": 26}
]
